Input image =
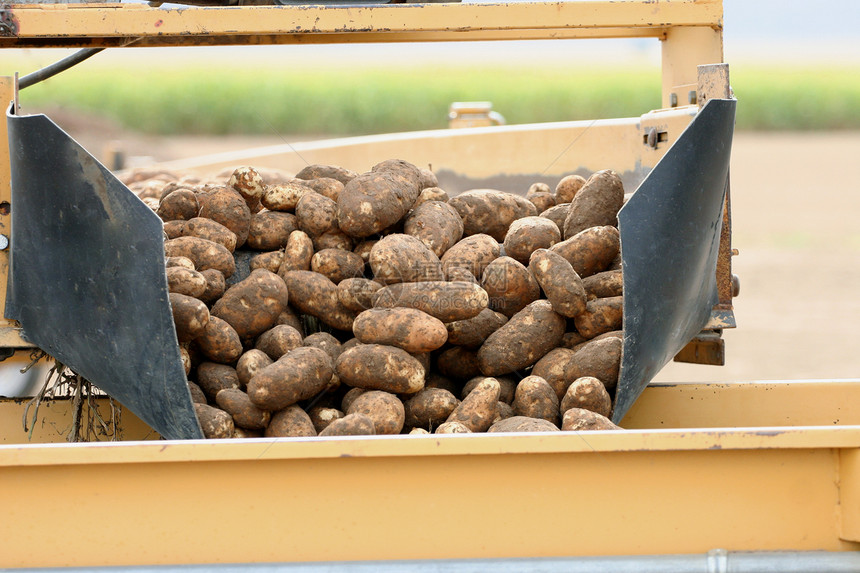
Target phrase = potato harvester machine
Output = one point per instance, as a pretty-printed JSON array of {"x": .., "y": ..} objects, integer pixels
[{"x": 703, "y": 473}]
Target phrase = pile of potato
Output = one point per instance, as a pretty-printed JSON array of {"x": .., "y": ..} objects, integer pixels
[{"x": 376, "y": 304}]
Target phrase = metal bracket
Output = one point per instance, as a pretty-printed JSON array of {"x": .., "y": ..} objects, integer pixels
[{"x": 8, "y": 26}]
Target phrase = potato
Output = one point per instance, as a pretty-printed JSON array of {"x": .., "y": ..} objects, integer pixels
[
  {"x": 567, "y": 188},
  {"x": 316, "y": 214},
  {"x": 452, "y": 428},
  {"x": 216, "y": 285},
  {"x": 472, "y": 332},
  {"x": 571, "y": 339},
  {"x": 291, "y": 422},
  {"x": 490, "y": 211},
  {"x": 249, "y": 184},
  {"x": 326, "y": 186},
  {"x": 300, "y": 374},
  {"x": 557, "y": 215},
  {"x": 447, "y": 301},
  {"x": 322, "y": 417},
  {"x": 270, "y": 230},
  {"x": 356, "y": 294},
  {"x": 244, "y": 433},
  {"x": 329, "y": 171},
  {"x": 284, "y": 196},
  {"x": 298, "y": 253},
  {"x": 427, "y": 179},
  {"x": 183, "y": 262},
  {"x": 478, "y": 409},
  {"x": 529, "y": 234},
  {"x": 509, "y": 285},
  {"x": 211, "y": 231},
  {"x": 429, "y": 408},
  {"x": 402, "y": 258},
  {"x": 503, "y": 411},
  {"x": 219, "y": 342},
  {"x": 418, "y": 432},
  {"x": 270, "y": 261},
  {"x": 363, "y": 249},
  {"x": 472, "y": 253},
  {"x": 213, "y": 377},
  {"x": 250, "y": 363},
  {"x": 173, "y": 229},
  {"x": 314, "y": 294},
  {"x": 350, "y": 397},
  {"x": 552, "y": 368},
  {"x": 333, "y": 239},
  {"x": 436, "y": 224},
  {"x": 325, "y": 342},
  {"x": 523, "y": 340},
  {"x": 197, "y": 395},
  {"x": 251, "y": 306},
  {"x": 203, "y": 253},
  {"x": 215, "y": 423},
  {"x": 190, "y": 316},
  {"x": 605, "y": 284},
  {"x": 535, "y": 398},
  {"x": 458, "y": 363},
  {"x": 178, "y": 205},
  {"x": 580, "y": 420},
  {"x": 356, "y": 424},
  {"x": 410, "y": 329},
  {"x": 542, "y": 201},
  {"x": 245, "y": 413},
  {"x": 278, "y": 340},
  {"x": 337, "y": 264},
  {"x": 587, "y": 393},
  {"x": 436, "y": 380},
  {"x": 601, "y": 315},
  {"x": 598, "y": 358},
  {"x": 596, "y": 204},
  {"x": 431, "y": 194},
  {"x": 522, "y": 424},
  {"x": 227, "y": 207},
  {"x": 507, "y": 387},
  {"x": 185, "y": 281},
  {"x": 590, "y": 251},
  {"x": 460, "y": 274},
  {"x": 185, "y": 357},
  {"x": 378, "y": 367},
  {"x": 563, "y": 287},
  {"x": 376, "y": 200},
  {"x": 384, "y": 409}
]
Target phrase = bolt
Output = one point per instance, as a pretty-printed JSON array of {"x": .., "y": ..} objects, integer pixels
[{"x": 4, "y": 242}]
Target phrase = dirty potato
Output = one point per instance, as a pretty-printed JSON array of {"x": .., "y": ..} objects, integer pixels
[
  {"x": 447, "y": 301},
  {"x": 536, "y": 399},
  {"x": 219, "y": 342},
  {"x": 216, "y": 285},
  {"x": 590, "y": 251},
  {"x": 472, "y": 332},
  {"x": 314, "y": 294},
  {"x": 400, "y": 258},
  {"x": 322, "y": 417},
  {"x": 567, "y": 188},
  {"x": 215, "y": 423},
  {"x": 412, "y": 330},
  {"x": 522, "y": 424},
  {"x": 190, "y": 316},
  {"x": 356, "y": 424},
  {"x": 509, "y": 285},
  {"x": 271, "y": 261},
  {"x": 560, "y": 283},
  {"x": 605, "y": 284},
  {"x": 429, "y": 408},
  {"x": 490, "y": 211},
  {"x": 316, "y": 214},
  {"x": 227, "y": 207},
  {"x": 436, "y": 224},
  {"x": 180, "y": 205},
  {"x": 318, "y": 171},
  {"x": 337, "y": 264},
  {"x": 298, "y": 253},
  {"x": 587, "y": 393},
  {"x": 384, "y": 409},
  {"x": 376, "y": 200},
  {"x": 523, "y": 340},
  {"x": 507, "y": 387},
  {"x": 596, "y": 204},
  {"x": 284, "y": 196},
  {"x": 211, "y": 231},
  {"x": 270, "y": 230},
  {"x": 478, "y": 409},
  {"x": 458, "y": 363},
  {"x": 186, "y": 281},
  {"x": 356, "y": 294},
  {"x": 601, "y": 315},
  {"x": 580, "y": 420},
  {"x": 278, "y": 340},
  {"x": 472, "y": 254},
  {"x": 250, "y": 363},
  {"x": 251, "y": 306},
  {"x": 213, "y": 377},
  {"x": 291, "y": 422},
  {"x": 203, "y": 253},
  {"x": 300, "y": 374},
  {"x": 529, "y": 234},
  {"x": 378, "y": 367},
  {"x": 245, "y": 413}
]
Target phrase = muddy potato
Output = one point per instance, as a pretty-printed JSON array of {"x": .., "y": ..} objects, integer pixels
[
  {"x": 212, "y": 377},
  {"x": 298, "y": 253},
  {"x": 179, "y": 205},
  {"x": 183, "y": 262},
  {"x": 289, "y": 317},
  {"x": 447, "y": 301},
  {"x": 363, "y": 249},
  {"x": 568, "y": 187},
  {"x": 326, "y": 186},
  {"x": 270, "y": 230},
  {"x": 452, "y": 428},
  {"x": 503, "y": 411},
  {"x": 219, "y": 342},
  {"x": 458, "y": 363},
  {"x": 197, "y": 395},
  {"x": 601, "y": 315},
  {"x": 211, "y": 231},
  {"x": 598, "y": 358},
  {"x": 418, "y": 432},
  {"x": 284, "y": 196},
  {"x": 460, "y": 274},
  {"x": 245, "y": 414},
  {"x": 190, "y": 316},
  {"x": 203, "y": 253},
  {"x": 472, "y": 253},
  {"x": 216, "y": 285},
  {"x": 587, "y": 393},
  {"x": 580, "y": 420},
  {"x": 317, "y": 171},
  {"x": 270, "y": 261},
  {"x": 596, "y": 204},
  {"x": 590, "y": 251},
  {"x": 337, "y": 264},
  {"x": 429, "y": 408},
  {"x": 215, "y": 423},
  {"x": 250, "y": 363},
  {"x": 300, "y": 374},
  {"x": 509, "y": 285},
  {"x": 523, "y": 340},
  {"x": 507, "y": 387},
  {"x": 350, "y": 397},
  {"x": 478, "y": 409},
  {"x": 431, "y": 194},
  {"x": 571, "y": 339},
  {"x": 291, "y": 422},
  {"x": 400, "y": 258},
  {"x": 542, "y": 201},
  {"x": 529, "y": 234},
  {"x": 552, "y": 368},
  {"x": 333, "y": 239},
  {"x": 374, "y": 201},
  {"x": 535, "y": 398},
  {"x": 378, "y": 367},
  {"x": 173, "y": 229},
  {"x": 384, "y": 409},
  {"x": 314, "y": 294},
  {"x": 472, "y": 332},
  {"x": 522, "y": 424},
  {"x": 248, "y": 182},
  {"x": 427, "y": 179},
  {"x": 322, "y": 417},
  {"x": 251, "y": 306},
  {"x": 316, "y": 214},
  {"x": 227, "y": 207},
  {"x": 325, "y": 342},
  {"x": 185, "y": 281},
  {"x": 490, "y": 211},
  {"x": 605, "y": 284},
  {"x": 436, "y": 224},
  {"x": 412, "y": 330},
  {"x": 185, "y": 357},
  {"x": 560, "y": 283},
  {"x": 557, "y": 215},
  {"x": 436, "y": 380},
  {"x": 356, "y": 424},
  {"x": 356, "y": 294},
  {"x": 278, "y": 340}
]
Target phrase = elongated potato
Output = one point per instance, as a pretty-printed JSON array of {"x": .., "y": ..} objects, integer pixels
[
  {"x": 252, "y": 306},
  {"x": 270, "y": 230},
  {"x": 601, "y": 315},
  {"x": 529, "y": 234},
  {"x": 291, "y": 422},
  {"x": 314, "y": 294},
  {"x": 337, "y": 264},
  {"x": 522, "y": 424},
  {"x": 447, "y": 301},
  {"x": 472, "y": 253},
  {"x": 436, "y": 224},
  {"x": 186, "y": 281},
  {"x": 298, "y": 253},
  {"x": 383, "y": 408},
  {"x": 203, "y": 253},
  {"x": 588, "y": 393},
  {"x": 190, "y": 316},
  {"x": 472, "y": 332},
  {"x": 523, "y": 340},
  {"x": 356, "y": 294},
  {"x": 300, "y": 374},
  {"x": 598, "y": 358},
  {"x": 229, "y": 208},
  {"x": 590, "y": 251},
  {"x": 378, "y": 367},
  {"x": 580, "y": 420},
  {"x": 355, "y": 424},
  {"x": 412, "y": 330},
  {"x": 317, "y": 171},
  {"x": 536, "y": 399},
  {"x": 215, "y": 423},
  {"x": 211, "y": 231},
  {"x": 219, "y": 342},
  {"x": 605, "y": 284},
  {"x": 429, "y": 408},
  {"x": 552, "y": 368},
  {"x": 559, "y": 281},
  {"x": 507, "y": 387},
  {"x": 374, "y": 201},
  {"x": 400, "y": 258},
  {"x": 509, "y": 285},
  {"x": 596, "y": 204},
  {"x": 490, "y": 211},
  {"x": 284, "y": 196},
  {"x": 245, "y": 413},
  {"x": 478, "y": 409}
]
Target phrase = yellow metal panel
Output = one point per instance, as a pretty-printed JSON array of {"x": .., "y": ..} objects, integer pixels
[
  {"x": 849, "y": 493},
  {"x": 684, "y": 49}
]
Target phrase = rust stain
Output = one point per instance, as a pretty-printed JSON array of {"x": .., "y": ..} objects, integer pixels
[{"x": 159, "y": 22}]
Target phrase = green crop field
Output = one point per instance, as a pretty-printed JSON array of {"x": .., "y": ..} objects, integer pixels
[{"x": 338, "y": 100}]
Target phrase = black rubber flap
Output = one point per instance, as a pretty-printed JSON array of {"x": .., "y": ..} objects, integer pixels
[
  {"x": 87, "y": 280},
  {"x": 670, "y": 233}
]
